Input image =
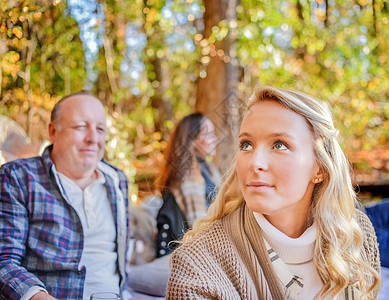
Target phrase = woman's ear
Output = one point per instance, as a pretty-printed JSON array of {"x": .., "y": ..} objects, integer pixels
[
  {"x": 319, "y": 176},
  {"x": 317, "y": 179}
]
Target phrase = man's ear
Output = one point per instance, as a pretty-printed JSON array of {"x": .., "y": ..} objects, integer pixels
[{"x": 52, "y": 131}]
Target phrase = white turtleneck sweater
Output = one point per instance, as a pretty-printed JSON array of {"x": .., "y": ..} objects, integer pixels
[{"x": 297, "y": 254}]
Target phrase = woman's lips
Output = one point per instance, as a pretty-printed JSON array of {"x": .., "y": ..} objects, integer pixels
[{"x": 259, "y": 186}]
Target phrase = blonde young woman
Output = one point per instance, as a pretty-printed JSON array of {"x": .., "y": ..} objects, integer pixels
[{"x": 284, "y": 224}]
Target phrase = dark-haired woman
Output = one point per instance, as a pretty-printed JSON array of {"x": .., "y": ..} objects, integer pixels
[
  {"x": 188, "y": 180},
  {"x": 187, "y": 184}
]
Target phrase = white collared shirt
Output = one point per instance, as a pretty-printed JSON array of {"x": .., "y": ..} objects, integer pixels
[{"x": 99, "y": 254}]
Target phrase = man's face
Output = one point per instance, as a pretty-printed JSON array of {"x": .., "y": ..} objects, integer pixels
[{"x": 78, "y": 136}]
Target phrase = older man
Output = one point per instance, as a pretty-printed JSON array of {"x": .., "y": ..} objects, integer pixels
[{"x": 63, "y": 216}]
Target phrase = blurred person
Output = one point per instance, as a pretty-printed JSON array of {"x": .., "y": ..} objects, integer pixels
[
  {"x": 188, "y": 186},
  {"x": 63, "y": 215},
  {"x": 284, "y": 224},
  {"x": 188, "y": 181},
  {"x": 14, "y": 142}
]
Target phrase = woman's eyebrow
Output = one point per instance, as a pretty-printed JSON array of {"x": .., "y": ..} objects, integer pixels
[
  {"x": 271, "y": 135},
  {"x": 244, "y": 134},
  {"x": 281, "y": 134}
]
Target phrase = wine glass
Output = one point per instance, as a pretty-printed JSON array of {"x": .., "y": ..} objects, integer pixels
[{"x": 105, "y": 296}]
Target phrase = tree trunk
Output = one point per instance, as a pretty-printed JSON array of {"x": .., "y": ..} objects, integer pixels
[
  {"x": 158, "y": 101},
  {"x": 27, "y": 78},
  {"x": 300, "y": 50},
  {"x": 327, "y": 13},
  {"x": 217, "y": 95},
  {"x": 160, "y": 81},
  {"x": 109, "y": 58},
  {"x": 42, "y": 79},
  {"x": 376, "y": 12},
  {"x": 109, "y": 88},
  {"x": 1, "y": 81}
]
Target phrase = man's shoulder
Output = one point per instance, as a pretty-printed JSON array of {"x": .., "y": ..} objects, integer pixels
[
  {"x": 105, "y": 162},
  {"x": 32, "y": 164},
  {"x": 111, "y": 170}
]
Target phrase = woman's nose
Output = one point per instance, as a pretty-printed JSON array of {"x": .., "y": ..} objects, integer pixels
[
  {"x": 259, "y": 161},
  {"x": 214, "y": 139}
]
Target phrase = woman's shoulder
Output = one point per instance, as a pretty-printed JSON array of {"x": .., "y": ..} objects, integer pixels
[
  {"x": 216, "y": 176},
  {"x": 364, "y": 222},
  {"x": 207, "y": 267},
  {"x": 208, "y": 245},
  {"x": 208, "y": 239},
  {"x": 192, "y": 177},
  {"x": 369, "y": 235},
  {"x": 370, "y": 246},
  {"x": 210, "y": 242}
]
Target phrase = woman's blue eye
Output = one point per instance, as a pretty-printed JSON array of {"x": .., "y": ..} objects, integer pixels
[
  {"x": 281, "y": 146},
  {"x": 245, "y": 146}
]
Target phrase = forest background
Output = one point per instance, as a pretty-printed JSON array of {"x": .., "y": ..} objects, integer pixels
[{"x": 152, "y": 62}]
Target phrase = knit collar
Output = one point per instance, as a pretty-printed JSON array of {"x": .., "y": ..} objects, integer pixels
[
  {"x": 246, "y": 235},
  {"x": 291, "y": 251}
]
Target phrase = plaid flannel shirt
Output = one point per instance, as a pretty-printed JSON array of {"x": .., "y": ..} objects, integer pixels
[{"x": 41, "y": 237}]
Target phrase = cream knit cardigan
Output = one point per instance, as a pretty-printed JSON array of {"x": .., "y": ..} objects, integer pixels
[{"x": 228, "y": 260}]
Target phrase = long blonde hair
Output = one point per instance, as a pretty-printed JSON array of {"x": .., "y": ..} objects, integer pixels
[{"x": 339, "y": 240}]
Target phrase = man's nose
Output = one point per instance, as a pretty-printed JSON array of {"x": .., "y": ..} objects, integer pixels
[{"x": 91, "y": 135}]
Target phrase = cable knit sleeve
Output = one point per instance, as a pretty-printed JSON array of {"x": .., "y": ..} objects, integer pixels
[
  {"x": 187, "y": 281},
  {"x": 370, "y": 245},
  {"x": 208, "y": 267}
]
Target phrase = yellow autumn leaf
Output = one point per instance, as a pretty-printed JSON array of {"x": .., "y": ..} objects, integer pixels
[{"x": 17, "y": 30}]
